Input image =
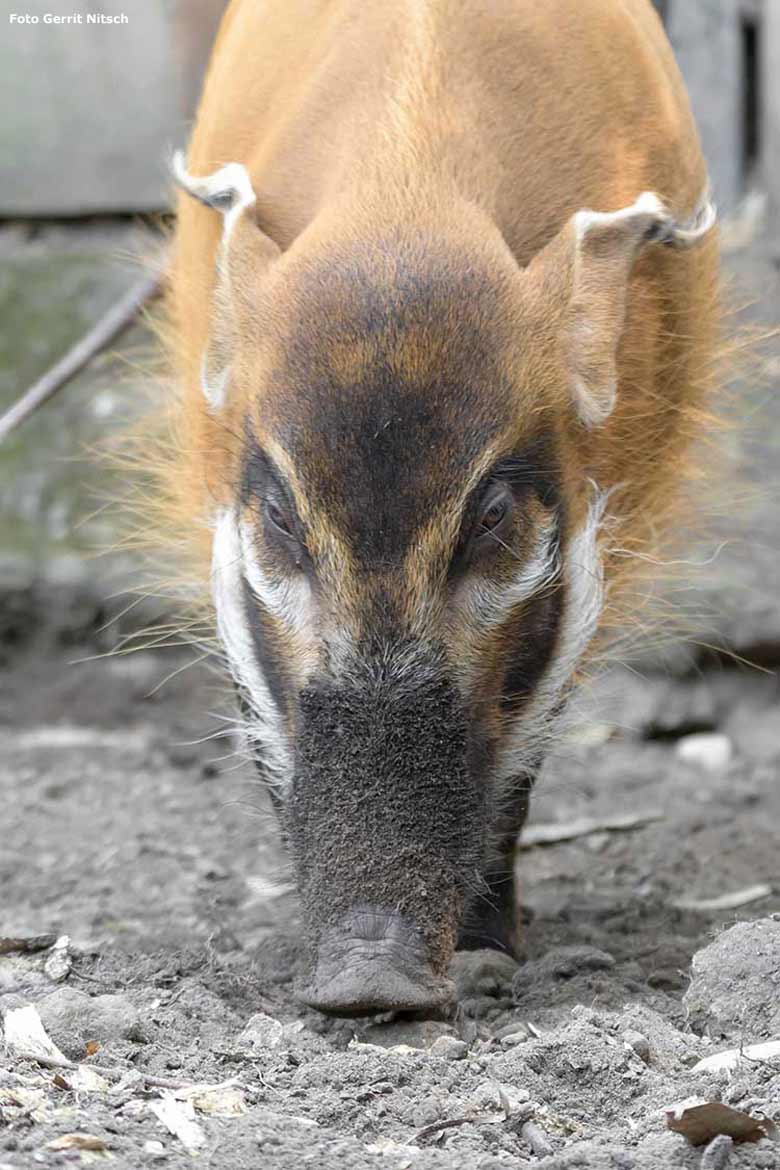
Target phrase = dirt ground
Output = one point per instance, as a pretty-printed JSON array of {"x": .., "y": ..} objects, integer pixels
[{"x": 131, "y": 825}]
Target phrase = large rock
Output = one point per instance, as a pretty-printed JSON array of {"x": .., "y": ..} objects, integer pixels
[
  {"x": 734, "y": 992},
  {"x": 73, "y": 1019}
]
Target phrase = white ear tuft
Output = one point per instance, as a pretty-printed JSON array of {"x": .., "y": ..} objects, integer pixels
[
  {"x": 687, "y": 234},
  {"x": 227, "y": 188},
  {"x": 649, "y": 221}
]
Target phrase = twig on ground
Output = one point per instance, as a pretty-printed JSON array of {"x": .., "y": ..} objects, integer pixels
[
  {"x": 37, "y": 942},
  {"x": 439, "y": 1126},
  {"x": 110, "y": 325},
  {"x": 726, "y": 901},
  {"x": 552, "y": 834}
]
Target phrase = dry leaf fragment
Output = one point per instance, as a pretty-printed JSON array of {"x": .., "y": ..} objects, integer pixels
[
  {"x": 77, "y": 1141},
  {"x": 701, "y": 1121},
  {"x": 730, "y": 1059},
  {"x": 178, "y": 1117},
  {"x": 26, "y": 1037}
]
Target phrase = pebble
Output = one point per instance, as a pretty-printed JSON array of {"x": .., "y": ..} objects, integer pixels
[
  {"x": 261, "y": 1032},
  {"x": 711, "y": 752},
  {"x": 717, "y": 1154},
  {"x": 482, "y": 974},
  {"x": 450, "y": 1048},
  {"x": 425, "y": 1114},
  {"x": 639, "y": 1043},
  {"x": 514, "y": 1030}
]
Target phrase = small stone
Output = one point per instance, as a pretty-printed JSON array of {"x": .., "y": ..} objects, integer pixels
[
  {"x": 482, "y": 973},
  {"x": 718, "y": 1153},
  {"x": 711, "y": 752},
  {"x": 449, "y": 1047},
  {"x": 513, "y": 1028},
  {"x": 512, "y": 1039},
  {"x": 638, "y": 1043},
  {"x": 425, "y": 1114},
  {"x": 666, "y": 979},
  {"x": 260, "y": 1033}
]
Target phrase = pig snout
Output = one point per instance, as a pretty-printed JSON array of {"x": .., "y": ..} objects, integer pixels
[
  {"x": 385, "y": 819},
  {"x": 375, "y": 961}
]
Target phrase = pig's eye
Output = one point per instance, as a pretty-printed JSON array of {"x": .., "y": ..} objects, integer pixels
[
  {"x": 278, "y": 520},
  {"x": 495, "y": 511}
]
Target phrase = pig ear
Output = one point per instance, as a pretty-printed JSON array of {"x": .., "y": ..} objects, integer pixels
[
  {"x": 245, "y": 251},
  {"x": 602, "y": 249}
]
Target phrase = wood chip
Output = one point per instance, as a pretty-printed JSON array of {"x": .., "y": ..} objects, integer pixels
[
  {"x": 77, "y": 1141},
  {"x": 178, "y": 1117},
  {"x": 26, "y": 1037},
  {"x": 552, "y": 834},
  {"x": 701, "y": 1121},
  {"x": 726, "y": 901},
  {"x": 732, "y": 1057}
]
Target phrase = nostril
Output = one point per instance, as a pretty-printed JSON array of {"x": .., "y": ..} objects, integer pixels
[{"x": 372, "y": 925}]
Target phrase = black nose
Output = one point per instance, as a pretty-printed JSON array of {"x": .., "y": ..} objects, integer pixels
[{"x": 375, "y": 961}]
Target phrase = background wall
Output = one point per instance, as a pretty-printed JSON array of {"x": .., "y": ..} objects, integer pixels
[{"x": 89, "y": 114}]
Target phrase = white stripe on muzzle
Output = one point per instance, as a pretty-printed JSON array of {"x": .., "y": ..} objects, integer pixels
[
  {"x": 584, "y": 578},
  {"x": 264, "y": 727}
]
